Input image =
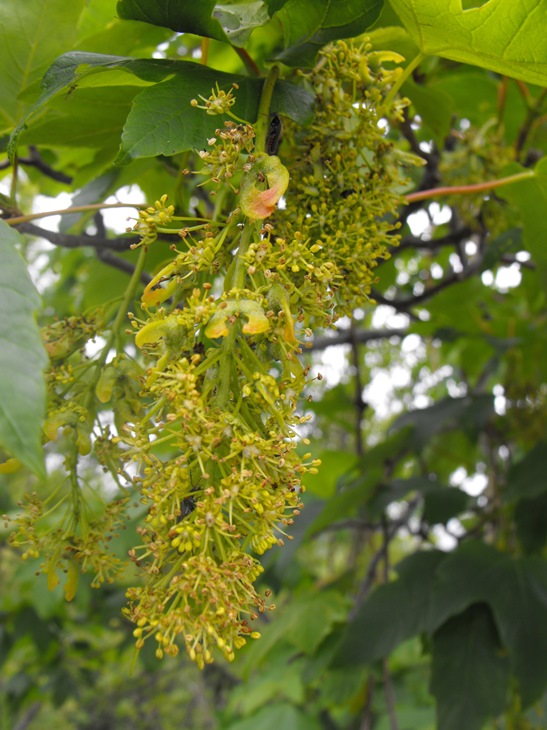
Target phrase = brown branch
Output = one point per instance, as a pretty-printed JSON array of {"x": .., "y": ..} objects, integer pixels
[
  {"x": 432, "y": 245},
  {"x": 248, "y": 62},
  {"x": 35, "y": 160},
  {"x": 366, "y": 723},
  {"x": 28, "y": 717},
  {"x": 68, "y": 211},
  {"x": 65, "y": 240},
  {"x": 408, "y": 133},
  {"x": 360, "y": 405},
  {"x": 390, "y": 532},
  {"x": 388, "y": 681},
  {"x": 344, "y": 337},
  {"x": 533, "y": 113},
  {"x": 390, "y": 696},
  {"x": 403, "y": 305}
]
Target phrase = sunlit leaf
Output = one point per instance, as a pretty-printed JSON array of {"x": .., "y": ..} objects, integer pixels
[{"x": 501, "y": 35}]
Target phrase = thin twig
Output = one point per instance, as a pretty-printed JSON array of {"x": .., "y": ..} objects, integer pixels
[
  {"x": 366, "y": 723},
  {"x": 344, "y": 337},
  {"x": 68, "y": 211},
  {"x": 533, "y": 113},
  {"x": 403, "y": 305},
  {"x": 360, "y": 404},
  {"x": 388, "y": 681},
  {"x": 65, "y": 240},
  {"x": 248, "y": 62},
  {"x": 28, "y": 717},
  {"x": 390, "y": 696},
  {"x": 35, "y": 160},
  {"x": 379, "y": 555},
  {"x": 433, "y": 244}
]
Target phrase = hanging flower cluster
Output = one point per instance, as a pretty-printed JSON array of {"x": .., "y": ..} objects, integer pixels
[{"x": 208, "y": 435}]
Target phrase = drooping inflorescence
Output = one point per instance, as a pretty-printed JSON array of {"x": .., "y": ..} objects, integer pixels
[{"x": 208, "y": 432}]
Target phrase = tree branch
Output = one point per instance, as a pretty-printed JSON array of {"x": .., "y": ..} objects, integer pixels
[
  {"x": 66, "y": 240},
  {"x": 35, "y": 160},
  {"x": 390, "y": 532},
  {"x": 366, "y": 723},
  {"x": 403, "y": 305},
  {"x": 360, "y": 405},
  {"x": 433, "y": 244},
  {"x": 28, "y": 717},
  {"x": 344, "y": 337}
]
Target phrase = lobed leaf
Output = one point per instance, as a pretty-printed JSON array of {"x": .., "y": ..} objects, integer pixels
[
  {"x": 395, "y": 612},
  {"x": 501, "y": 35},
  {"x": 433, "y": 586},
  {"x": 516, "y": 590}
]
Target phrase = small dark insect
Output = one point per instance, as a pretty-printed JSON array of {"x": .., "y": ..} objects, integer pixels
[
  {"x": 187, "y": 506},
  {"x": 273, "y": 138},
  {"x": 72, "y": 88},
  {"x": 347, "y": 193}
]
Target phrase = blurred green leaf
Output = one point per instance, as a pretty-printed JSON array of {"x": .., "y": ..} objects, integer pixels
[
  {"x": 280, "y": 679},
  {"x": 31, "y": 34},
  {"x": 516, "y": 590},
  {"x": 530, "y": 196},
  {"x": 441, "y": 504},
  {"x": 470, "y": 674},
  {"x": 274, "y": 717},
  {"x": 434, "y": 106},
  {"x": 527, "y": 478},
  {"x": 531, "y": 523},
  {"x": 395, "y": 611},
  {"x": 323, "y": 484},
  {"x": 22, "y": 358},
  {"x": 469, "y": 413},
  {"x": 357, "y": 487}
]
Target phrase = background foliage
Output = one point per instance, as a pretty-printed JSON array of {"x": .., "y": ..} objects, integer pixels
[{"x": 414, "y": 592}]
